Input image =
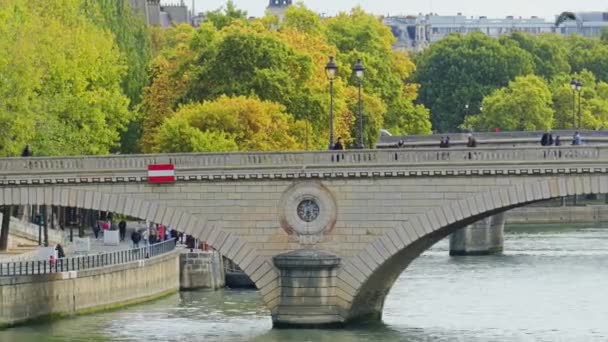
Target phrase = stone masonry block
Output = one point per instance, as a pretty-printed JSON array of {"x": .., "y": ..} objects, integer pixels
[
  {"x": 363, "y": 264},
  {"x": 15, "y": 195},
  {"x": 395, "y": 239},
  {"x": 372, "y": 257},
  {"x": 352, "y": 276},
  {"x": 563, "y": 187},
  {"x": 236, "y": 247},
  {"x": 586, "y": 184},
  {"x": 381, "y": 248},
  {"x": 88, "y": 200},
  {"x": 80, "y": 198},
  {"x": 439, "y": 213},
  {"x": 571, "y": 186},
  {"x": 159, "y": 213},
  {"x": 48, "y": 195},
  {"x": 389, "y": 244},
  {"x": 105, "y": 202},
  {"x": 152, "y": 211}
]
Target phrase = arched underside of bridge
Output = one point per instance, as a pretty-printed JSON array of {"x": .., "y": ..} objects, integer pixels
[
  {"x": 258, "y": 268},
  {"x": 367, "y": 280}
]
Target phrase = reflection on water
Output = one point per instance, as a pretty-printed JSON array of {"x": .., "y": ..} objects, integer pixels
[{"x": 548, "y": 286}]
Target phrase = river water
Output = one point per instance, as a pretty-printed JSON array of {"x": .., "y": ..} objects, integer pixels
[{"x": 550, "y": 285}]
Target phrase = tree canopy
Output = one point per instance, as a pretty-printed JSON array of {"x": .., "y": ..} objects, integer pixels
[
  {"x": 61, "y": 80},
  {"x": 283, "y": 63}
]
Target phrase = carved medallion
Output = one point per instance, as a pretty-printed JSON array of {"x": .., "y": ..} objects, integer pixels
[{"x": 307, "y": 211}]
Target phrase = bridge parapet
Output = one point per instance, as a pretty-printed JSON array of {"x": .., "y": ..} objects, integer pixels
[{"x": 300, "y": 160}]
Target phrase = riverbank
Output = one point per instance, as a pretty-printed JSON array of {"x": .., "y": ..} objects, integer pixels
[
  {"x": 30, "y": 298},
  {"x": 595, "y": 214}
]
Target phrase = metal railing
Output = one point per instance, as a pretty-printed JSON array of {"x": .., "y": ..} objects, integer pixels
[{"x": 86, "y": 262}]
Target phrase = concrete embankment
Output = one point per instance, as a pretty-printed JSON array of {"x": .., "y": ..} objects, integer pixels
[
  {"x": 32, "y": 297},
  {"x": 558, "y": 215}
]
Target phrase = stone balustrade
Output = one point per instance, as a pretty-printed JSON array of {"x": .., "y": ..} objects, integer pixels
[{"x": 299, "y": 160}]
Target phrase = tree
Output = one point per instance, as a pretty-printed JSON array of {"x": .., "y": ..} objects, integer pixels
[
  {"x": 361, "y": 35},
  {"x": 264, "y": 66},
  {"x": 131, "y": 33},
  {"x": 243, "y": 123},
  {"x": 302, "y": 19},
  {"x": 525, "y": 104},
  {"x": 4, "y": 230},
  {"x": 604, "y": 36},
  {"x": 594, "y": 102},
  {"x": 549, "y": 52},
  {"x": 225, "y": 16},
  {"x": 461, "y": 70},
  {"x": 170, "y": 73},
  {"x": 588, "y": 54},
  {"x": 62, "y": 77}
]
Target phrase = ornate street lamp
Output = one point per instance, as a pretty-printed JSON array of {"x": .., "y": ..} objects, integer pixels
[
  {"x": 331, "y": 70},
  {"x": 579, "y": 88},
  {"x": 359, "y": 70},
  {"x": 573, "y": 85}
]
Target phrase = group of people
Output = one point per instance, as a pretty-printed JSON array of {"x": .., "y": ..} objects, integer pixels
[
  {"x": 155, "y": 233},
  {"x": 445, "y": 141},
  {"x": 108, "y": 224},
  {"x": 548, "y": 140}
]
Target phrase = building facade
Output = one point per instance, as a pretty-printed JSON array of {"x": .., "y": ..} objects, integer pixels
[
  {"x": 164, "y": 15},
  {"x": 417, "y": 32},
  {"x": 278, "y": 7}
]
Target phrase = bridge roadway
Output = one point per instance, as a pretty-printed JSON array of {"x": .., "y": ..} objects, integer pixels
[
  {"x": 494, "y": 139},
  {"x": 324, "y": 235}
]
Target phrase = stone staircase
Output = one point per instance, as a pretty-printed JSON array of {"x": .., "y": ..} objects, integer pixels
[{"x": 23, "y": 240}]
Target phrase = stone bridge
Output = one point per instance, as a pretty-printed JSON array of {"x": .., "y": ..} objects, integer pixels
[{"x": 323, "y": 235}]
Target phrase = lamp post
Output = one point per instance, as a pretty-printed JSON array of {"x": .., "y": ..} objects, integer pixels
[
  {"x": 331, "y": 69},
  {"x": 359, "y": 70},
  {"x": 573, "y": 85},
  {"x": 579, "y": 88}
]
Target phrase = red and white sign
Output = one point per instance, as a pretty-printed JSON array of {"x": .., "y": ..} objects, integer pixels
[{"x": 161, "y": 173}]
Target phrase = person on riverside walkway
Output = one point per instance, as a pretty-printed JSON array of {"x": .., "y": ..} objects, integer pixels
[
  {"x": 338, "y": 146},
  {"x": 135, "y": 237},
  {"x": 26, "y": 151},
  {"x": 152, "y": 236},
  {"x": 96, "y": 229},
  {"x": 576, "y": 139},
  {"x": 60, "y": 252},
  {"x": 558, "y": 141},
  {"x": 122, "y": 229}
]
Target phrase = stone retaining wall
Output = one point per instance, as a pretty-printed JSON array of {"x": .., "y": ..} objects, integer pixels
[
  {"x": 558, "y": 215},
  {"x": 25, "y": 298},
  {"x": 201, "y": 270}
]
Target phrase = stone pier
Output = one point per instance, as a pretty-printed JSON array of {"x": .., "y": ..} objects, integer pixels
[
  {"x": 308, "y": 284},
  {"x": 201, "y": 270},
  {"x": 484, "y": 237}
]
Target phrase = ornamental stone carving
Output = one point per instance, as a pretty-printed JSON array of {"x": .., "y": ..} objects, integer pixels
[{"x": 307, "y": 211}]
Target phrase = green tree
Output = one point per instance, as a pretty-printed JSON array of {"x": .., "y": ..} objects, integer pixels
[
  {"x": 224, "y": 16},
  {"x": 61, "y": 81},
  {"x": 588, "y": 54},
  {"x": 549, "y": 52},
  {"x": 461, "y": 70},
  {"x": 604, "y": 36},
  {"x": 361, "y": 35},
  {"x": 133, "y": 38},
  {"x": 525, "y": 104},
  {"x": 593, "y": 104},
  {"x": 302, "y": 19},
  {"x": 231, "y": 123}
]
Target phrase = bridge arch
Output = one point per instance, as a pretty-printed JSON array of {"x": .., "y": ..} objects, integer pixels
[
  {"x": 366, "y": 279},
  {"x": 229, "y": 245}
]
